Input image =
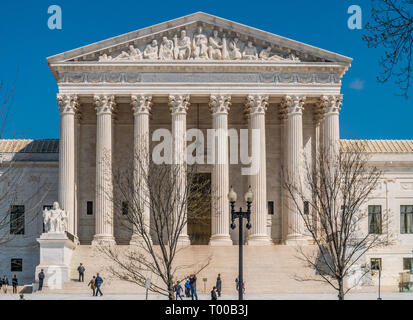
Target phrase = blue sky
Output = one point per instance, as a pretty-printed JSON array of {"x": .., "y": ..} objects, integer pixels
[{"x": 370, "y": 110}]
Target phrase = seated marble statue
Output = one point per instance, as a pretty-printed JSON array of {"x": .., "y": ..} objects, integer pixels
[
  {"x": 215, "y": 46},
  {"x": 200, "y": 45},
  {"x": 265, "y": 54},
  {"x": 250, "y": 52},
  {"x": 182, "y": 50},
  {"x": 55, "y": 220},
  {"x": 151, "y": 51},
  {"x": 234, "y": 50},
  {"x": 166, "y": 49},
  {"x": 134, "y": 53}
]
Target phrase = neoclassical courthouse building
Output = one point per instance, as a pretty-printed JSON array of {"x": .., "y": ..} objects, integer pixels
[{"x": 204, "y": 72}]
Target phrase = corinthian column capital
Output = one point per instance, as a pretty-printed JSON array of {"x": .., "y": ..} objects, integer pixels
[
  {"x": 105, "y": 104},
  {"x": 293, "y": 104},
  {"x": 220, "y": 104},
  {"x": 68, "y": 104},
  {"x": 141, "y": 104},
  {"x": 179, "y": 104},
  {"x": 256, "y": 104},
  {"x": 331, "y": 104}
]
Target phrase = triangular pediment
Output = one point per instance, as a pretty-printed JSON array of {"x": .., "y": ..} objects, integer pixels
[{"x": 198, "y": 37}]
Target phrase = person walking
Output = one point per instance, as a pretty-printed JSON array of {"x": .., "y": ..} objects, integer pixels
[
  {"x": 214, "y": 293},
  {"x": 178, "y": 289},
  {"x": 98, "y": 283},
  {"x": 192, "y": 282},
  {"x": 237, "y": 284},
  {"x": 187, "y": 288},
  {"x": 14, "y": 283},
  {"x": 81, "y": 269},
  {"x": 219, "y": 285},
  {"x": 92, "y": 284},
  {"x": 41, "y": 278},
  {"x": 5, "y": 284}
]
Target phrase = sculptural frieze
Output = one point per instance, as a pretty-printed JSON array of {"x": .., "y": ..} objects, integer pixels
[
  {"x": 201, "y": 44},
  {"x": 55, "y": 219}
]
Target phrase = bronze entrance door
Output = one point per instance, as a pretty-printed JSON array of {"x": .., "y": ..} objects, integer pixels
[{"x": 199, "y": 211}]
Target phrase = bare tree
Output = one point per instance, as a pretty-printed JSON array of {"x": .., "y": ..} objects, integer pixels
[
  {"x": 152, "y": 202},
  {"x": 391, "y": 28},
  {"x": 335, "y": 190}
]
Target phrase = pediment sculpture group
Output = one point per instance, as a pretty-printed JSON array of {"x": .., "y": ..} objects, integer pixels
[{"x": 200, "y": 47}]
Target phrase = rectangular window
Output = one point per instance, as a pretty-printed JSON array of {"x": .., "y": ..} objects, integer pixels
[
  {"x": 375, "y": 264},
  {"x": 17, "y": 220},
  {"x": 406, "y": 219},
  {"x": 16, "y": 265},
  {"x": 271, "y": 208},
  {"x": 306, "y": 207},
  {"x": 89, "y": 208},
  {"x": 407, "y": 263},
  {"x": 374, "y": 219},
  {"x": 125, "y": 208}
]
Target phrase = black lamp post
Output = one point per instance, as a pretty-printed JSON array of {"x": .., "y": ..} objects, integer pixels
[{"x": 232, "y": 197}]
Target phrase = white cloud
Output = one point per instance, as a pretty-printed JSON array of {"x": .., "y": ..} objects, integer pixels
[{"x": 357, "y": 84}]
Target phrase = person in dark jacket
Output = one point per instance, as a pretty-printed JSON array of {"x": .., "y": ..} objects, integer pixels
[
  {"x": 178, "y": 289},
  {"x": 5, "y": 284},
  {"x": 14, "y": 283},
  {"x": 98, "y": 283},
  {"x": 41, "y": 278},
  {"x": 192, "y": 282},
  {"x": 187, "y": 288},
  {"x": 219, "y": 285},
  {"x": 214, "y": 293},
  {"x": 81, "y": 269}
]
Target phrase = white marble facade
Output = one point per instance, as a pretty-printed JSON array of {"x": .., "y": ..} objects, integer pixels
[{"x": 201, "y": 71}]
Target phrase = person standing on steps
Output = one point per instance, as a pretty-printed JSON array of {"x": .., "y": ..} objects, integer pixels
[
  {"x": 41, "y": 278},
  {"x": 219, "y": 285},
  {"x": 178, "y": 289},
  {"x": 214, "y": 293},
  {"x": 98, "y": 283},
  {"x": 92, "y": 284},
  {"x": 81, "y": 269},
  {"x": 192, "y": 282},
  {"x": 5, "y": 284},
  {"x": 14, "y": 283},
  {"x": 187, "y": 288}
]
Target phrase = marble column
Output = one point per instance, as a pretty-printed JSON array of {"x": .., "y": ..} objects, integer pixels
[
  {"x": 331, "y": 106},
  {"x": 294, "y": 147},
  {"x": 220, "y": 105},
  {"x": 68, "y": 107},
  {"x": 179, "y": 106},
  {"x": 141, "y": 107},
  {"x": 105, "y": 105},
  {"x": 256, "y": 106}
]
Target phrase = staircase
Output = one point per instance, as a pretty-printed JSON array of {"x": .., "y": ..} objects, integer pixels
[{"x": 267, "y": 270}]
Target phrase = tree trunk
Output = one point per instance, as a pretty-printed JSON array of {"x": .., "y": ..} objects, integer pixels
[{"x": 340, "y": 289}]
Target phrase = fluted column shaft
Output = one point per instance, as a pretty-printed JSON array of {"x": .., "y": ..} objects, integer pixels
[
  {"x": 179, "y": 106},
  {"x": 256, "y": 107},
  {"x": 68, "y": 107},
  {"x": 331, "y": 106},
  {"x": 141, "y": 107},
  {"x": 104, "y": 186},
  {"x": 294, "y": 110},
  {"x": 220, "y": 106}
]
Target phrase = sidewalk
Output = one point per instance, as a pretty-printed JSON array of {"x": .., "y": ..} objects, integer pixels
[{"x": 355, "y": 296}]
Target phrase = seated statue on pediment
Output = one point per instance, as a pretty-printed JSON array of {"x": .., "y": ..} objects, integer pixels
[
  {"x": 182, "y": 47},
  {"x": 104, "y": 57},
  {"x": 151, "y": 51},
  {"x": 200, "y": 45},
  {"x": 166, "y": 49},
  {"x": 265, "y": 54},
  {"x": 250, "y": 52},
  {"x": 234, "y": 50},
  {"x": 215, "y": 46}
]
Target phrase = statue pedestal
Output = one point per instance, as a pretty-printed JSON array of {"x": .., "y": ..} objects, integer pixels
[{"x": 55, "y": 255}]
